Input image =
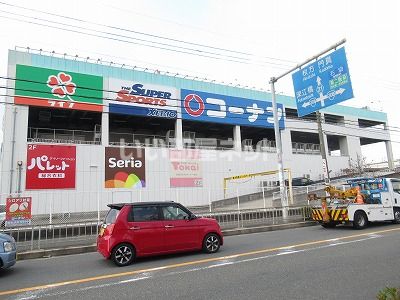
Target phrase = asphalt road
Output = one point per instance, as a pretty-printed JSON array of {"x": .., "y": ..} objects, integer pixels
[{"x": 303, "y": 263}]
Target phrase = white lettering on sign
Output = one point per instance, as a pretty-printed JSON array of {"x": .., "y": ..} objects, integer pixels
[{"x": 128, "y": 163}]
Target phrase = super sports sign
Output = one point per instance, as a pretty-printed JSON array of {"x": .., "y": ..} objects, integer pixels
[
  {"x": 214, "y": 108},
  {"x": 134, "y": 98}
]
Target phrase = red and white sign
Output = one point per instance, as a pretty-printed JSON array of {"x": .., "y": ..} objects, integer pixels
[
  {"x": 18, "y": 211},
  {"x": 50, "y": 167},
  {"x": 185, "y": 168}
]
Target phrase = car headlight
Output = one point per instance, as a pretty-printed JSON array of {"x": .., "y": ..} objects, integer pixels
[{"x": 8, "y": 247}]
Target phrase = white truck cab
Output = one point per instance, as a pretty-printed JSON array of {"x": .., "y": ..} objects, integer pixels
[{"x": 380, "y": 202}]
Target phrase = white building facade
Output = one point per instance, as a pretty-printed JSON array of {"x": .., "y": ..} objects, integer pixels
[{"x": 80, "y": 135}]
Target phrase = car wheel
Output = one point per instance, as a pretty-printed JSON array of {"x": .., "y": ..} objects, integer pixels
[
  {"x": 396, "y": 216},
  {"x": 211, "y": 243},
  {"x": 123, "y": 255},
  {"x": 360, "y": 220}
]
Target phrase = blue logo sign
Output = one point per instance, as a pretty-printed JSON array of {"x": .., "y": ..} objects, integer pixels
[
  {"x": 140, "y": 99},
  {"x": 214, "y": 108},
  {"x": 322, "y": 83}
]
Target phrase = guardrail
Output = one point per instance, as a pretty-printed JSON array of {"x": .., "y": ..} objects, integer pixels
[{"x": 47, "y": 236}]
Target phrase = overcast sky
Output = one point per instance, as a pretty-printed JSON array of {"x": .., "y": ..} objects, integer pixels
[{"x": 267, "y": 37}]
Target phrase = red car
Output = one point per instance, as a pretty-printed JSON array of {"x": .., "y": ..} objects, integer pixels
[{"x": 142, "y": 229}]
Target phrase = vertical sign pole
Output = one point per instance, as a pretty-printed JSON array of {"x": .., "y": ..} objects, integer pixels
[
  {"x": 327, "y": 179},
  {"x": 278, "y": 149}
]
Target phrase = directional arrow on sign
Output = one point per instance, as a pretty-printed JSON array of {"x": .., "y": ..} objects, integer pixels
[{"x": 321, "y": 98}]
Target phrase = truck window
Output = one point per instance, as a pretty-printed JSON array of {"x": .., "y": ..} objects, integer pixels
[{"x": 396, "y": 186}]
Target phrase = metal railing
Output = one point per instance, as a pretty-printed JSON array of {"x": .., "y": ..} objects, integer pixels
[
  {"x": 80, "y": 233},
  {"x": 65, "y": 136},
  {"x": 305, "y": 148}
]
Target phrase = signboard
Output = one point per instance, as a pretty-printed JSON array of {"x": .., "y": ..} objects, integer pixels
[
  {"x": 50, "y": 167},
  {"x": 125, "y": 168},
  {"x": 59, "y": 89},
  {"x": 214, "y": 108},
  {"x": 185, "y": 166},
  {"x": 322, "y": 83},
  {"x": 18, "y": 211},
  {"x": 135, "y": 98}
]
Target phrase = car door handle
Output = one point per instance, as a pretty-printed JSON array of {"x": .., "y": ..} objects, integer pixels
[
  {"x": 169, "y": 226},
  {"x": 135, "y": 228}
]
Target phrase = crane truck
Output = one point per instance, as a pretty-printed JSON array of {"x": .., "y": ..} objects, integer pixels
[{"x": 365, "y": 200}]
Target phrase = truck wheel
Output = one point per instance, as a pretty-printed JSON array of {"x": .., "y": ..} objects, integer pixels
[
  {"x": 329, "y": 225},
  {"x": 396, "y": 216},
  {"x": 360, "y": 220}
]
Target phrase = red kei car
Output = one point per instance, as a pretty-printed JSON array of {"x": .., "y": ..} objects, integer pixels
[{"x": 142, "y": 229}]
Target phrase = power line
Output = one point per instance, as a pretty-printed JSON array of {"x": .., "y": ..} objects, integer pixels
[
  {"x": 353, "y": 124},
  {"x": 141, "y": 42},
  {"x": 142, "y": 33}
]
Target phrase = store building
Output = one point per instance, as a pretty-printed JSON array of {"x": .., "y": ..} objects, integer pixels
[{"x": 79, "y": 135}]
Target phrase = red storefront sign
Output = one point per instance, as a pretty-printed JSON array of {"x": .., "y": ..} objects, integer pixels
[
  {"x": 18, "y": 211},
  {"x": 50, "y": 167}
]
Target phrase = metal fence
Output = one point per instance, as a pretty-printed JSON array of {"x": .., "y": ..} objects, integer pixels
[{"x": 60, "y": 235}]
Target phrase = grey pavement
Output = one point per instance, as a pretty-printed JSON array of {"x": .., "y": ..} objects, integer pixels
[{"x": 339, "y": 263}]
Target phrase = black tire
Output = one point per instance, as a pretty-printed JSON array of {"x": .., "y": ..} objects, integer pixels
[
  {"x": 329, "y": 225},
  {"x": 211, "y": 243},
  {"x": 123, "y": 255},
  {"x": 360, "y": 220},
  {"x": 396, "y": 212}
]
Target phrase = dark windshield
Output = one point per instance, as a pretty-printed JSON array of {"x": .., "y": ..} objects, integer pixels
[{"x": 111, "y": 216}]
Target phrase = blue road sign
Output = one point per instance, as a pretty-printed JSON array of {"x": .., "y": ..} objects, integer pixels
[{"x": 322, "y": 83}]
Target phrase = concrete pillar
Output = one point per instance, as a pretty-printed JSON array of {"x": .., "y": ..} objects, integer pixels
[
  {"x": 389, "y": 153},
  {"x": 105, "y": 128},
  {"x": 344, "y": 148},
  {"x": 178, "y": 134},
  {"x": 237, "y": 138}
]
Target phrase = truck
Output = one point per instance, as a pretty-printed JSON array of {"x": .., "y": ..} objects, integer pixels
[{"x": 364, "y": 200}]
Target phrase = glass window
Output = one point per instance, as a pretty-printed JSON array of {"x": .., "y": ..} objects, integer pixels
[
  {"x": 111, "y": 216},
  {"x": 396, "y": 186},
  {"x": 143, "y": 214},
  {"x": 174, "y": 212}
]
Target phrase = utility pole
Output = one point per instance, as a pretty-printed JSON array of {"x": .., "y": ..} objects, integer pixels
[{"x": 322, "y": 146}]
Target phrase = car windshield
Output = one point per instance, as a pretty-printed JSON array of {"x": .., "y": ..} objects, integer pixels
[{"x": 111, "y": 216}]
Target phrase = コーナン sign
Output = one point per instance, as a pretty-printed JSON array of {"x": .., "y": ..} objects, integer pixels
[{"x": 125, "y": 167}]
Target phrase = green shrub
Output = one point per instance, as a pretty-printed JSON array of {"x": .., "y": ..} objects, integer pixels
[{"x": 389, "y": 294}]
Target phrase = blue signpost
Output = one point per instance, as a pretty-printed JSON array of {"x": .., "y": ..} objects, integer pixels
[{"x": 322, "y": 83}]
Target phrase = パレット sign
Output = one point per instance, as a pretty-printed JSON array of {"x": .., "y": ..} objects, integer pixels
[{"x": 50, "y": 167}]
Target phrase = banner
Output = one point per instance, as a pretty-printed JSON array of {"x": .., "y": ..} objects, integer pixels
[
  {"x": 59, "y": 89},
  {"x": 135, "y": 98},
  {"x": 50, "y": 167},
  {"x": 185, "y": 168},
  {"x": 18, "y": 211},
  {"x": 215, "y": 108},
  {"x": 125, "y": 167}
]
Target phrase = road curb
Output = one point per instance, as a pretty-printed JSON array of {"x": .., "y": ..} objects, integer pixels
[
  {"x": 92, "y": 248},
  {"x": 238, "y": 231}
]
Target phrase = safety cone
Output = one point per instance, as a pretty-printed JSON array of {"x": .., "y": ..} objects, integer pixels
[{"x": 359, "y": 197}]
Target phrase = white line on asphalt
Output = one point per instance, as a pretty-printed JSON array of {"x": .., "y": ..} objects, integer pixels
[
  {"x": 84, "y": 289},
  {"x": 28, "y": 295}
]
